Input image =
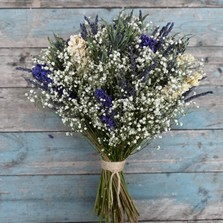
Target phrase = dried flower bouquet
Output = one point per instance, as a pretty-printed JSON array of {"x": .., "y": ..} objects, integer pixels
[{"x": 121, "y": 84}]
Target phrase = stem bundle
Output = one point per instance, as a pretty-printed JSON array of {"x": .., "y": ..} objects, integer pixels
[{"x": 107, "y": 206}]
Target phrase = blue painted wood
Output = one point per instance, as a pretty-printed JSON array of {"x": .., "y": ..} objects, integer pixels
[
  {"x": 18, "y": 114},
  {"x": 108, "y": 4},
  {"x": 21, "y": 57},
  {"x": 70, "y": 198},
  {"x": 27, "y": 116},
  {"x": 26, "y": 28},
  {"x": 49, "y": 153},
  {"x": 48, "y": 177}
]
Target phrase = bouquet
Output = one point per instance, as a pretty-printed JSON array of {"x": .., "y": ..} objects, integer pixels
[{"x": 121, "y": 84}]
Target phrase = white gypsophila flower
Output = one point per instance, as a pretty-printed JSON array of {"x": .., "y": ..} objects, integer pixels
[{"x": 144, "y": 85}]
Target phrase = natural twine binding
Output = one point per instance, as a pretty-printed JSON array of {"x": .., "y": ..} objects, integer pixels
[{"x": 115, "y": 168}]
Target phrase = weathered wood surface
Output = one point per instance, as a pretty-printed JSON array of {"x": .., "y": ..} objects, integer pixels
[
  {"x": 109, "y": 3},
  {"x": 29, "y": 28},
  {"x": 49, "y": 153},
  {"x": 18, "y": 114},
  {"x": 46, "y": 176},
  {"x": 10, "y": 58},
  {"x": 69, "y": 198}
]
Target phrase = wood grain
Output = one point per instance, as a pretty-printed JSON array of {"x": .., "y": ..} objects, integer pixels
[
  {"x": 29, "y": 28},
  {"x": 70, "y": 198},
  {"x": 187, "y": 221},
  {"x": 10, "y": 58},
  {"x": 46, "y": 176},
  {"x": 107, "y": 3},
  {"x": 18, "y": 114},
  {"x": 49, "y": 153}
]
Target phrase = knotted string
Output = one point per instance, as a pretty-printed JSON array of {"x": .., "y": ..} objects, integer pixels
[{"x": 115, "y": 168}]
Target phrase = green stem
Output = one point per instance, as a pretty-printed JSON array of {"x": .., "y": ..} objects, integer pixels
[{"x": 112, "y": 212}]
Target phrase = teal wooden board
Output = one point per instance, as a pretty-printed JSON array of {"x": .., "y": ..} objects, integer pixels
[
  {"x": 21, "y": 57},
  {"x": 26, "y": 28},
  {"x": 107, "y": 3},
  {"x": 70, "y": 198},
  {"x": 46, "y": 176},
  {"x": 208, "y": 115},
  {"x": 28, "y": 117},
  {"x": 49, "y": 153},
  {"x": 19, "y": 114}
]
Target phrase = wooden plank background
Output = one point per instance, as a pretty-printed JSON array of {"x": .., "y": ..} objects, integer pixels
[{"x": 46, "y": 176}]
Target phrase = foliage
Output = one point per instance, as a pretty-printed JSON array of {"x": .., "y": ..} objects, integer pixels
[{"x": 121, "y": 84}]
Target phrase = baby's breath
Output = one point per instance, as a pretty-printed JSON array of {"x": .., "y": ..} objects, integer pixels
[{"x": 119, "y": 83}]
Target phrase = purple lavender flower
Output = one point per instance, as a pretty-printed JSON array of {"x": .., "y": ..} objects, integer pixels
[
  {"x": 41, "y": 74},
  {"x": 93, "y": 26},
  {"x": 102, "y": 97},
  {"x": 108, "y": 120},
  {"x": 106, "y": 101},
  {"x": 148, "y": 41}
]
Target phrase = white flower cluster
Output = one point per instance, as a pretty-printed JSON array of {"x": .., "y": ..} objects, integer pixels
[{"x": 119, "y": 95}]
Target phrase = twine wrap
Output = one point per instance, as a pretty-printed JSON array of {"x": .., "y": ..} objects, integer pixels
[{"x": 115, "y": 168}]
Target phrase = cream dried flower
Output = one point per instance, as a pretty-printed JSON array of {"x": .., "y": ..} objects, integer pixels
[
  {"x": 77, "y": 48},
  {"x": 188, "y": 82},
  {"x": 194, "y": 79},
  {"x": 185, "y": 58}
]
